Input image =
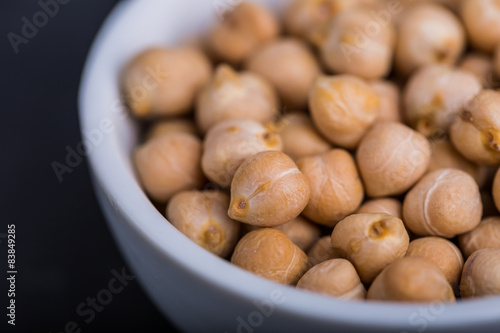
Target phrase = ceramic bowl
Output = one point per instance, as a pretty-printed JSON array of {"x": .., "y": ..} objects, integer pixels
[{"x": 194, "y": 289}]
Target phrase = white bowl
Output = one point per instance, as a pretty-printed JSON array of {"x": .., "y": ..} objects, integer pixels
[{"x": 196, "y": 290}]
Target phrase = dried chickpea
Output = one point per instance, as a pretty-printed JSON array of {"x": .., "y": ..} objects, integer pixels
[
  {"x": 383, "y": 205},
  {"x": 370, "y": 242},
  {"x": 232, "y": 95},
  {"x": 230, "y": 143},
  {"x": 496, "y": 190},
  {"x": 411, "y": 279},
  {"x": 481, "y": 275},
  {"x": 336, "y": 189},
  {"x": 445, "y": 156},
  {"x": 300, "y": 137},
  {"x": 391, "y": 158},
  {"x": 357, "y": 44},
  {"x": 321, "y": 251},
  {"x": 371, "y": 4},
  {"x": 468, "y": 141},
  {"x": 241, "y": 31},
  {"x": 481, "y": 66},
  {"x": 274, "y": 62},
  {"x": 445, "y": 203},
  {"x": 443, "y": 253},
  {"x": 268, "y": 190},
  {"x": 476, "y": 132},
  {"x": 269, "y": 253},
  {"x": 304, "y": 17},
  {"x": 343, "y": 107},
  {"x": 428, "y": 34},
  {"x": 169, "y": 164},
  {"x": 334, "y": 277},
  {"x": 388, "y": 93},
  {"x": 171, "y": 125},
  {"x": 202, "y": 217},
  {"x": 450, "y": 4},
  {"x": 482, "y": 21},
  {"x": 165, "y": 81},
  {"x": 435, "y": 94},
  {"x": 485, "y": 235},
  {"x": 301, "y": 232}
]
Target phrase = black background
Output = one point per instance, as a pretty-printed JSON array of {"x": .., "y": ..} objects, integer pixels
[{"x": 64, "y": 250}]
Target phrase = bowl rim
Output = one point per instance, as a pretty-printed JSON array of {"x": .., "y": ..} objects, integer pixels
[{"x": 112, "y": 171}]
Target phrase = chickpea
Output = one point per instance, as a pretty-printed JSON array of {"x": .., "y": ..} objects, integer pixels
[
  {"x": 481, "y": 275},
  {"x": 269, "y": 253},
  {"x": 336, "y": 189},
  {"x": 468, "y": 141},
  {"x": 476, "y": 133},
  {"x": 383, "y": 205},
  {"x": 322, "y": 251},
  {"x": 343, "y": 107},
  {"x": 445, "y": 156},
  {"x": 171, "y": 125},
  {"x": 268, "y": 190},
  {"x": 334, "y": 277},
  {"x": 273, "y": 62},
  {"x": 305, "y": 17},
  {"x": 169, "y": 164},
  {"x": 242, "y": 31},
  {"x": 482, "y": 21},
  {"x": 202, "y": 217},
  {"x": 428, "y": 34},
  {"x": 481, "y": 66},
  {"x": 496, "y": 190},
  {"x": 300, "y": 137},
  {"x": 442, "y": 252},
  {"x": 391, "y": 158},
  {"x": 485, "y": 235},
  {"x": 370, "y": 242},
  {"x": 231, "y": 142},
  {"x": 370, "y": 4},
  {"x": 388, "y": 93},
  {"x": 411, "y": 279},
  {"x": 352, "y": 47},
  {"x": 435, "y": 94},
  {"x": 235, "y": 95},
  {"x": 164, "y": 82},
  {"x": 444, "y": 203},
  {"x": 301, "y": 232}
]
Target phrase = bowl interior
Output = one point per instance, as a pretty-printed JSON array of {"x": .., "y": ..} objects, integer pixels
[{"x": 133, "y": 27}]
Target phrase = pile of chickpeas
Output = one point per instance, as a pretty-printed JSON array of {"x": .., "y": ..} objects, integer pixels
[{"x": 351, "y": 149}]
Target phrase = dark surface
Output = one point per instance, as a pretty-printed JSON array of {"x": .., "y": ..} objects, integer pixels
[{"x": 64, "y": 250}]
